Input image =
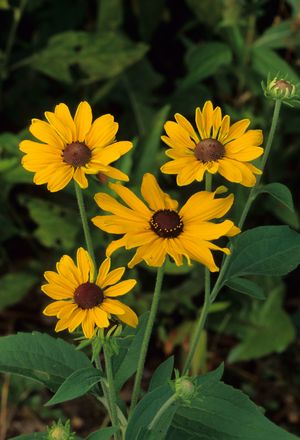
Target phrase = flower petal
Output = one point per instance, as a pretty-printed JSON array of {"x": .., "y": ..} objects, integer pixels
[
  {"x": 83, "y": 120},
  {"x": 120, "y": 289},
  {"x": 154, "y": 195},
  {"x": 102, "y": 132},
  {"x": 103, "y": 272}
]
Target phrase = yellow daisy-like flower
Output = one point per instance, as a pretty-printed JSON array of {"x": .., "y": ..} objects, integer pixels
[
  {"x": 216, "y": 147},
  {"x": 71, "y": 148},
  {"x": 160, "y": 229},
  {"x": 81, "y": 301}
]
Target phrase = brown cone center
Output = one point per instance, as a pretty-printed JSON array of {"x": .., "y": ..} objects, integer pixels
[
  {"x": 209, "y": 150},
  {"x": 88, "y": 295},
  {"x": 77, "y": 154},
  {"x": 166, "y": 223},
  {"x": 283, "y": 85}
]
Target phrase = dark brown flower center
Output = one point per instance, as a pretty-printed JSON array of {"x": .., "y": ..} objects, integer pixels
[
  {"x": 77, "y": 154},
  {"x": 166, "y": 223},
  {"x": 88, "y": 295},
  {"x": 209, "y": 150},
  {"x": 283, "y": 85}
]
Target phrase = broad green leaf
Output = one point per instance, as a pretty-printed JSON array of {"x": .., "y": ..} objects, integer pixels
[
  {"x": 33, "y": 436},
  {"x": 265, "y": 250},
  {"x": 102, "y": 434},
  {"x": 125, "y": 363},
  {"x": 277, "y": 36},
  {"x": 204, "y": 61},
  {"x": 280, "y": 192},
  {"x": 247, "y": 287},
  {"x": 267, "y": 61},
  {"x": 14, "y": 286},
  {"x": 56, "y": 226},
  {"x": 76, "y": 385},
  {"x": 150, "y": 145},
  {"x": 221, "y": 412},
  {"x": 271, "y": 331},
  {"x": 146, "y": 410},
  {"x": 162, "y": 373},
  {"x": 40, "y": 357},
  {"x": 100, "y": 56}
]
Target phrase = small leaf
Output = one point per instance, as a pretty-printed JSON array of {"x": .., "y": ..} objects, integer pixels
[
  {"x": 14, "y": 286},
  {"x": 271, "y": 330},
  {"x": 102, "y": 434},
  {"x": 265, "y": 250},
  {"x": 40, "y": 357},
  {"x": 280, "y": 192},
  {"x": 76, "y": 385},
  {"x": 162, "y": 373},
  {"x": 125, "y": 363},
  {"x": 247, "y": 287}
]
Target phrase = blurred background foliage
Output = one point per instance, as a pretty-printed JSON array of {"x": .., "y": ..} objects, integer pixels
[{"x": 143, "y": 61}]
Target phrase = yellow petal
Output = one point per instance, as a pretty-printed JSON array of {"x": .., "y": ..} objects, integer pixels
[
  {"x": 129, "y": 316},
  {"x": 252, "y": 138},
  {"x": 67, "y": 269},
  {"x": 120, "y": 289},
  {"x": 130, "y": 199},
  {"x": 114, "y": 173},
  {"x": 181, "y": 120},
  {"x": 111, "y": 306},
  {"x": 63, "y": 113},
  {"x": 114, "y": 245},
  {"x": 85, "y": 265},
  {"x": 62, "y": 130},
  {"x": 113, "y": 277},
  {"x": 83, "y": 120},
  {"x": 54, "y": 308},
  {"x": 76, "y": 319},
  {"x": 100, "y": 317},
  {"x": 200, "y": 252},
  {"x": 175, "y": 166},
  {"x": 102, "y": 132},
  {"x": 224, "y": 129},
  {"x": 178, "y": 134},
  {"x": 203, "y": 207},
  {"x": 237, "y": 130},
  {"x": 245, "y": 155},
  {"x": 103, "y": 272},
  {"x": 189, "y": 173},
  {"x": 111, "y": 153},
  {"x": 88, "y": 325},
  {"x": 60, "y": 178},
  {"x": 207, "y": 114},
  {"x": 154, "y": 196},
  {"x": 45, "y": 133},
  {"x": 80, "y": 178},
  {"x": 229, "y": 170},
  {"x": 217, "y": 119},
  {"x": 56, "y": 291},
  {"x": 207, "y": 230}
]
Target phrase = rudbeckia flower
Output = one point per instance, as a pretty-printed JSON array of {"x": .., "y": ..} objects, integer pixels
[
  {"x": 71, "y": 148},
  {"x": 216, "y": 147},
  {"x": 79, "y": 300},
  {"x": 161, "y": 229}
]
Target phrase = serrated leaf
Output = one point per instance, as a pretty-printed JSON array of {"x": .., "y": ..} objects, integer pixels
[
  {"x": 280, "y": 192},
  {"x": 204, "y": 61},
  {"x": 271, "y": 331},
  {"x": 221, "y": 412},
  {"x": 102, "y": 434},
  {"x": 162, "y": 373},
  {"x": 247, "y": 287},
  {"x": 40, "y": 357},
  {"x": 55, "y": 223},
  {"x": 265, "y": 250},
  {"x": 76, "y": 385},
  {"x": 125, "y": 363},
  {"x": 14, "y": 286},
  {"x": 265, "y": 61}
]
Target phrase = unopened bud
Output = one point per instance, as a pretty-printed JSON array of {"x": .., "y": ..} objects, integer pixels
[
  {"x": 280, "y": 89},
  {"x": 59, "y": 431},
  {"x": 185, "y": 389}
]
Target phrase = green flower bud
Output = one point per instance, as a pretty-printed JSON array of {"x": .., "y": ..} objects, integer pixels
[
  {"x": 185, "y": 389},
  {"x": 59, "y": 431},
  {"x": 279, "y": 88}
]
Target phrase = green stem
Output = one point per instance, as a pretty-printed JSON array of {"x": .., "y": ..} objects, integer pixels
[
  {"x": 86, "y": 229},
  {"x": 251, "y": 197},
  {"x": 204, "y": 311},
  {"x": 112, "y": 393},
  {"x": 161, "y": 411},
  {"x": 148, "y": 331}
]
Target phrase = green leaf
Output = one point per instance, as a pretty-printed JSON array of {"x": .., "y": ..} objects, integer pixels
[
  {"x": 40, "y": 357},
  {"x": 146, "y": 410},
  {"x": 33, "y": 436},
  {"x": 76, "y": 385},
  {"x": 56, "y": 225},
  {"x": 125, "y": 363},
  {"x": 204, "y": 61},
  {"x": 265, "y": 250},
  {"x": 267, "y": 61},
  {"x": 220, "y": 412},
  {"x": 280, "y": 192},
  {"x": 14, "y": 286},
  {"x": 247, "y": 287},
  {"x": 8, "y": 164},
  {"x": 100, "y": 56},
  {"x": 151, "y": 145},
  {"x": 162, "y": 373},
  {"x": 271, "y": 331},
  {"x": 110, "y": 15},
  {"x": 102, "y": 434},
  {"x": 277, "y": 36}
]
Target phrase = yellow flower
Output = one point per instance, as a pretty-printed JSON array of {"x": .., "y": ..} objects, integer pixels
[
  {"x": 161, "y": 229},
  {"x": 216, "y": 147},
  {"x": 81, "y": 301},
  {"x": 72, "y": 148}
]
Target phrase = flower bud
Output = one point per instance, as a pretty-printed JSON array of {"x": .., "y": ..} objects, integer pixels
[
  {"x": 59, "y": 431},
  {"x": 281, "y": 89},
  {"x": 185, "y": 389}
]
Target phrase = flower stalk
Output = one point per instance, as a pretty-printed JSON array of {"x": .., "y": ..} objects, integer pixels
[
  {"x": 111, "y": 391},
  {"x": 148, "y": 332}
]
